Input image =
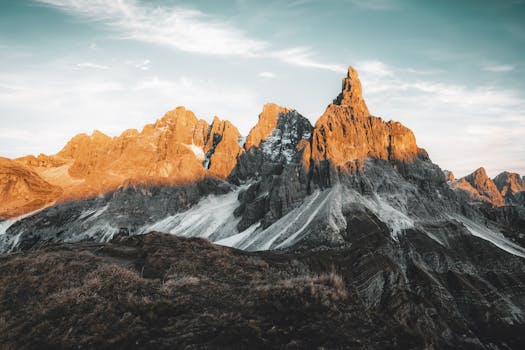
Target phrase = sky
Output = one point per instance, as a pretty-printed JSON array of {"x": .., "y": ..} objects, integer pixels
[{"x": 452, "y": 71}]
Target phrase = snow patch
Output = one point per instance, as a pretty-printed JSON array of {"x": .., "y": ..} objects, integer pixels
[
  {"x": 287, "y": 229},
  {"x": 93, "y": 213},
  {"x": 211, "y": 218},
  {"x": 396, "y": 220},
  {"x": 494, "y": 237},
  {"x": 234, "y": 240},
  {"x": 4, "y": 225},
  {"x": 241, "y": 141},
  {"x": 197, "y": 151}
]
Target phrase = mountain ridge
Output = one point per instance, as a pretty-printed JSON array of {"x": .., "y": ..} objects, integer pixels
[
  {"x": 179, "y": 148},
  {"x": 289, "y": 182}
]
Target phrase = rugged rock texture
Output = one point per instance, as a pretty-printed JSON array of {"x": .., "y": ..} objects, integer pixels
[
  {"x": 511, "y": 187},
  {"x": 479, "y": 188},
  {"x": 265, "y": 125},
  {"x": 177, "y": 149},
  {"x": 221, "y": 148},
  {"x": 163, "y": 292},
  {"x": 449, "y": 175},
  {"x": 276, "y": 161},
  {"x": 22, "y": 190},
  {"x": 346, "y": 133}
]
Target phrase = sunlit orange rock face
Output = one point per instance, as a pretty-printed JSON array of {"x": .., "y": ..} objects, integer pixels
[
  {"x": 479, "y": 187},
  {"x": 22, "y": 190},
  {"x": 265, "y": 125},
  {"x": 346, "y": 133},
  {"x": 177, "y": 149}
]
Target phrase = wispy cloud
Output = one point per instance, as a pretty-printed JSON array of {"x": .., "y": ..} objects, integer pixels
[
  {"x": 91, "y": 65},
  {"x": 142, "y": 64},
  {"x": 499, "y": 68},
  {"x": 184, "y": 29},
  {"x": 267, "y": 75},
  {"x": 376, "y": 68},
  {"x": 304, "y": 57}
]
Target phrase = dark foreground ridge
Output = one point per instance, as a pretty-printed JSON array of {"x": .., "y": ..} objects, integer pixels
[{"x": 159, "y": 291}]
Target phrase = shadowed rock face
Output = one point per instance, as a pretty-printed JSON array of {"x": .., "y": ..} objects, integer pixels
[
  {"x": 449, "y": 175},
  {"x": 510, "y": 185},
  {"x": 277, "y": 167}
]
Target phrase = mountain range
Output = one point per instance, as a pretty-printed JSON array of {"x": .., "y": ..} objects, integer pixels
[{"x": 439, "y": 256}]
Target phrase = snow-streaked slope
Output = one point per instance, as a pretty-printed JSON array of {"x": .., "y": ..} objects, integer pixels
[
  {"x": 197, "y": 151},
  {"x": 494, "y": 237},
  {"x": 394, "y": 218},
  {"x": 4, "y": 225},
  {"x": 323, "y": 208},
  {"x": 211, "y": 218},
  {"x": 234, "y": 240},
  {"x": 292, "y": 224}
]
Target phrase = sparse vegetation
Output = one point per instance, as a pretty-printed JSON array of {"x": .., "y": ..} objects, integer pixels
[
  {"x": 162, "y": 292},
  {"x": 158, "y": 291}
]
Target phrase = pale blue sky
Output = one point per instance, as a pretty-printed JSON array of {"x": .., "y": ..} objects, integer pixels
[{"x": 452, "y": 71}]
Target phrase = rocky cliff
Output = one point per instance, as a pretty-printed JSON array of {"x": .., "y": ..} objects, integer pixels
[{"x": 346, "y": 134}]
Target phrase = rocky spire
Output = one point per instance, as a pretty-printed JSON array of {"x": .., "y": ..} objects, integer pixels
[
  {"x": 346, "y": 134},
  {"x": 351, "y": 95}
]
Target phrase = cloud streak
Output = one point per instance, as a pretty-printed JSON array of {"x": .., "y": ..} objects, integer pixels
[
  {"x": 184, "y": 29},
  {"x": 91, "y": 65},
  {"x": 267, "y": 75},
  {"x": 499, "y": 68},
  {"x": 303, "y": 57}
]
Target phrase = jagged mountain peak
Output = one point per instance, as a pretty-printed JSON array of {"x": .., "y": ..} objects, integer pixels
[
  {"x": 266, "y": 124},
  {"x": 179, "y": 115},
  {"x": 346, "y": 134},
  {"x": 509, "y": 183},
  {"x": 478, "y": 187},
  {"x": 352, "y": 95}
]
